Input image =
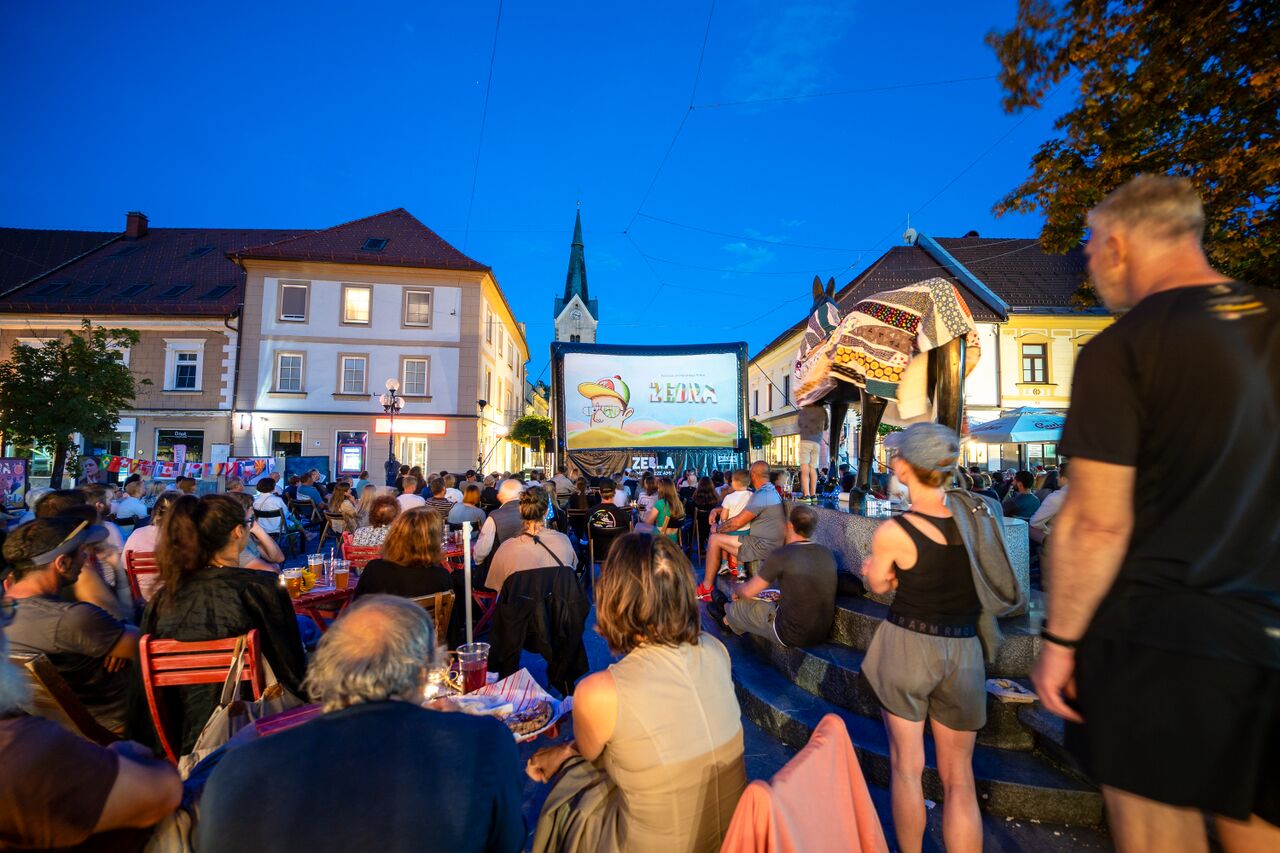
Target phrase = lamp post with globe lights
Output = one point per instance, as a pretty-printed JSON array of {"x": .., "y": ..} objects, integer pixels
[{"x": 391, "y": 402}]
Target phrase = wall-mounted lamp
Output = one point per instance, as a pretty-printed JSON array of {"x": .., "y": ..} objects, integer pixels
[{"x": 244, "y": 421}]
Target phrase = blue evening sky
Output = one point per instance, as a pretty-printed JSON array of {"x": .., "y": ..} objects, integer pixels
[{"x": 310, "y": 114}]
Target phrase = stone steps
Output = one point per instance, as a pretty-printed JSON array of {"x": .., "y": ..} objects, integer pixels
[
  {"x": 834, "y": 673},
  {"x": 1013, "y": 783},
  {"x": 857, "y": 619}
]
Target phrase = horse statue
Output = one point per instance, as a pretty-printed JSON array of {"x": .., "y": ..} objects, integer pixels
[{"x": 913, "y": 345}]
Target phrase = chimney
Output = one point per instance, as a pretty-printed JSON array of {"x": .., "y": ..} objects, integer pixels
[{"x": 135, "y": 225}]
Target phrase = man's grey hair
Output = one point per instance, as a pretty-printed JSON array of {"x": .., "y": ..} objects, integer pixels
[
  {"x": 379, "y": 649},
  {"x": 15, "y": 689},
  {"x": 1168, "y": 207}
]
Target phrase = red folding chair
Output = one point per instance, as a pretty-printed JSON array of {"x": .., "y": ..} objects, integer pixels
[
  {"x": 138, "y": 563},
  {"x": 171, "y": 663},
  {"x": 487, "y": 601},
  {"x": 358, "y": 555}
]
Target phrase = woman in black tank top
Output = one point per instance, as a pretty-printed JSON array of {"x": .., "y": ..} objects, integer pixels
[{"x": 925, "y": 661}]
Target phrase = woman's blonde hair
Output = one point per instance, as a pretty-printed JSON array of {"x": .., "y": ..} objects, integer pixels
[
  {"x": 415, "y": 538},
  {"x": 645, "y": 594}
]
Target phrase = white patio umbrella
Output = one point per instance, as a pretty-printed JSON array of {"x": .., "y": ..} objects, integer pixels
[{"x": 1021, "y": 427}]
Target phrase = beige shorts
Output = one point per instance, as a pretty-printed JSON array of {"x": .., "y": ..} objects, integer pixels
[
  {"x": 810, "y": 453},
  {"x": 916, "y": 675}
]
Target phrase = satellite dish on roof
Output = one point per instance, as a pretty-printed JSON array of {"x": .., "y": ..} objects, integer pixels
[{"x": 909, "y": 236}]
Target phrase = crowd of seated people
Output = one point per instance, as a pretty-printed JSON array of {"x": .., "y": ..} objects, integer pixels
[{"x": 218, "y": 560}]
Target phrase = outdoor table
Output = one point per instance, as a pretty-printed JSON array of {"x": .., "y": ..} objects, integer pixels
[{"x": 309, "y": 603}]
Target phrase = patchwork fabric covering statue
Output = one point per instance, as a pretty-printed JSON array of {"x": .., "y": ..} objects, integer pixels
[{"x": 881, "y": 345}]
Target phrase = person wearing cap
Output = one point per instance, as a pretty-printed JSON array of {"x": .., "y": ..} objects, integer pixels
[
  {"x": 90, "y": 648},
  {"x": 925, "y": 659},
  {"x": 59, "y": 790}
]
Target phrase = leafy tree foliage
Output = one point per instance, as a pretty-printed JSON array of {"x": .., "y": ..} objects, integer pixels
[
  {"x": 74, "y": 383},
  {"x": 760, "y": 434},
  {"x": 1165, "y": 86},
  {"x": 530, "y": 426}
]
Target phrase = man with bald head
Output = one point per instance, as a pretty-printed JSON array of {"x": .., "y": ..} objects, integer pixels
[
  {"x": 376, "y": 751},
  {"x": 768, "y": 520},
  {"x": 502, "y": 524}
]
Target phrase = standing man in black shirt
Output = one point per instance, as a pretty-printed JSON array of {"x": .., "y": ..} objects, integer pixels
[{"x": 1162, "y": 623}]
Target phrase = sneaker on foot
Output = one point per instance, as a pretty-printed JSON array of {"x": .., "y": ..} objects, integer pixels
[{"x": 704, "y": 592}]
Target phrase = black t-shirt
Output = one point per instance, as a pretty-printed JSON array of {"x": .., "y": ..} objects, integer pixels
[
  {"x": 607, "y": 518},
  {"x": 805, "y": 575},
  {"x": 377, "y": 776},
  {"x": 388, "y": 578},
  {"x": 1185, "y": 388}
]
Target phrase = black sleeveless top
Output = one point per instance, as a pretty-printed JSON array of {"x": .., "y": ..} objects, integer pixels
[{"x": 939, "y": 588}]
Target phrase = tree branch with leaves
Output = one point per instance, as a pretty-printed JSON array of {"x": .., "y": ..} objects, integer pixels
[
  {"x": 76, "y": 382},
  {"x": 1170, "y": 87}
]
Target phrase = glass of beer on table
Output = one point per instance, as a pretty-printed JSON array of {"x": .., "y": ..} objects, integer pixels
[
  {"x": 293, "y": 582},
  {"x": 341, "y": 574}
]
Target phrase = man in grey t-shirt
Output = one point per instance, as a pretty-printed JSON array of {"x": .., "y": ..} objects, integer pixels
[
  {"x": 90, "y": 648},
  {"x": 768, "y": 520}
]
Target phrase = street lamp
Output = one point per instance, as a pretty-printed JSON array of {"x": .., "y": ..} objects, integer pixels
[
  {"x": 480, "y": 455},
  {"x": 391, "y": 402}
]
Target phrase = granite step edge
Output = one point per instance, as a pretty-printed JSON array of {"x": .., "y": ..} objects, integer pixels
[
  {"x": 1018, "y": 785},
  {"x": 834, "y": 673}
]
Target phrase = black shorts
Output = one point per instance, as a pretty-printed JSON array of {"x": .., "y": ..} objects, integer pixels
[{"x": 1179, "y": 729}]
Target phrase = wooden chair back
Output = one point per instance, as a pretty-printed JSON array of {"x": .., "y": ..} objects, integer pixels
[
  {"x": 172, "y": 663},
  {"x": 53, "y": 699},
  {"x": 141, "y": 564},
  {"x": 440, "y": 606}
]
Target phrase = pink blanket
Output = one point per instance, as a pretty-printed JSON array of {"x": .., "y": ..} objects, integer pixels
[{"x": 818, "y": 802}]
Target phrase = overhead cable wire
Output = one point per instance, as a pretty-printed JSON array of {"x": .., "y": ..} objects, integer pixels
[
  {"x": 697, "y": 75},
  {"x": 484, "y": 116}
]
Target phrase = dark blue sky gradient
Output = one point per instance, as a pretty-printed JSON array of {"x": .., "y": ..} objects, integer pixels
[{"x": 309, "y": 114}]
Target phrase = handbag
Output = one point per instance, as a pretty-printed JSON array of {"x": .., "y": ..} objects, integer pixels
[{"x": 234, "y": 714}]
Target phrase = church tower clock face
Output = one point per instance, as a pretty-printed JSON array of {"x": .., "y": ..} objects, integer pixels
[{"x": 575, "y": 314}]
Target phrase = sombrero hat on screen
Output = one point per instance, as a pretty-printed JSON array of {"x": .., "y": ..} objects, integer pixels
[{"x": 606, "y": 387}]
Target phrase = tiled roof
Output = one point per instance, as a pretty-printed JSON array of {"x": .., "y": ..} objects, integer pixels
[
  {"x": 409, "y": 243},
  {"x": 27, "y": 253},
  {"x": 166, "y": 271},
  {"x": 1017, "y": 270}
]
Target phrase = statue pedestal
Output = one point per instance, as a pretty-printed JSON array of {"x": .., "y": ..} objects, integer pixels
[{"x": 849, "y": 534}]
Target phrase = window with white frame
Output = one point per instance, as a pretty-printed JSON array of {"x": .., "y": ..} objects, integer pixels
[
  {"x": 501, "y": 339},
  {"x": 488, "y": 385},
  {"x": 289, "y": 372},
  {"x": 294, "y": 296},
  {"x": 417, "y": 307},
  {"x": 352, "y": 374},
  {"x": 183, "y": 364},
  {"x": 511, "y": 354},
  {"x": 414, "y": 381},
  {"x": 488, "y": 325},
  {"x": 357, "y": 302}
]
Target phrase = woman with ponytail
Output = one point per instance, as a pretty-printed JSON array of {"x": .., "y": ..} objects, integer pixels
[{"x": 204, "y": 594}]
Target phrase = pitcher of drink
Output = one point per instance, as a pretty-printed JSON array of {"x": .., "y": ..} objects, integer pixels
[{"x": 473, "y": 665}]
